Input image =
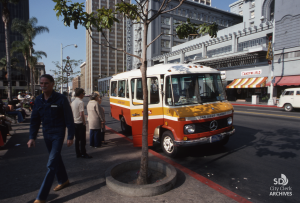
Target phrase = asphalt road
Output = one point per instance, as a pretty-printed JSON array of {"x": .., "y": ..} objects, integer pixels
[{"x": 266, "y": 145}]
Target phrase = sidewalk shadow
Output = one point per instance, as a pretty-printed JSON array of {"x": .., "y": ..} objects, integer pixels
[{"x": 77, "y": 193}]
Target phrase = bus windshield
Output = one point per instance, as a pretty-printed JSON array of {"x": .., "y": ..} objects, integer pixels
[{"x": 194, "y": 89}]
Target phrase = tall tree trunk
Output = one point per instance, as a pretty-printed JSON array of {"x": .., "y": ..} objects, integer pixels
[
  {"x": 143, "y": 174},
  {"x": 5, "y": 18}
]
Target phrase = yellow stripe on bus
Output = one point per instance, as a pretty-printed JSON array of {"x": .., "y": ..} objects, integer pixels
[{"x": 120, "y": 102}]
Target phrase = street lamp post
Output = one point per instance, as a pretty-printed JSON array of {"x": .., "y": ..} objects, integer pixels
[{"x": 62, "y": 68}]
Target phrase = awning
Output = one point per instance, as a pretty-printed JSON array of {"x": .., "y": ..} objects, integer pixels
[
  {"x": 248, "y": 83},
  {"x": 286, "y": 81}
]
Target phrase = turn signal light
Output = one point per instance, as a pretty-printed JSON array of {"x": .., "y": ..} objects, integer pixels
[
  {"x": 190, "y": 66},
  {"x": 181, "y": 119},
  {"x": 166, "y": 123},
  {"x": 185, "y": 138}
]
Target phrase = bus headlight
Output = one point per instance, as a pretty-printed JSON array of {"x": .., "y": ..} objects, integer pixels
[
  {"x": 189, "y": 129},
  {"x": 229, "y": 121}
]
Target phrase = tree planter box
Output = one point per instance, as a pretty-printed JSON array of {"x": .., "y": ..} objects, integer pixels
[{"x": 133, "y": 190}]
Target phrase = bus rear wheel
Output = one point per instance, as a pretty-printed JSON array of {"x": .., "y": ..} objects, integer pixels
[
  {"x": 126, "y": 129},
  {"x": 168, "y": 144}
]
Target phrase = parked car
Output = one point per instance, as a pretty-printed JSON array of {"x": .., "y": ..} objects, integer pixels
[{"x": 290, "y": 99}]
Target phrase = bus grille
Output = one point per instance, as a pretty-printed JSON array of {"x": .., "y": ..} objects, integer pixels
[{"x": 204, "y": 127}]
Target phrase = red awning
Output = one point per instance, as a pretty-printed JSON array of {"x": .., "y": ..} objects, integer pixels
[{"x": 286, "y": 81}]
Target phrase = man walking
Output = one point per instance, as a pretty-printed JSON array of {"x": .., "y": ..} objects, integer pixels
[
  {"x": 54, "y": 111},
  {"x": 80, "y": 125}
]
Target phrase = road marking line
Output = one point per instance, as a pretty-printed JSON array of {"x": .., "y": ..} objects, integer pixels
[
  {"x": 191, "y": 173},
  {"x": 266, "y": 114}
]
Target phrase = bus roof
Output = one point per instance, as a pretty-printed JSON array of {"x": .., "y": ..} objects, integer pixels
[{"x": 167, "y": 69}]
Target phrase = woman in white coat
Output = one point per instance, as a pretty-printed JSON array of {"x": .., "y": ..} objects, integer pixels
[{"x": 96, "y": 120}]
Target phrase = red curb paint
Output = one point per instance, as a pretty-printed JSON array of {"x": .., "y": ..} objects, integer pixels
[
  {"x": 191, "y": 173},
  {"x": 254, "y": 105}
]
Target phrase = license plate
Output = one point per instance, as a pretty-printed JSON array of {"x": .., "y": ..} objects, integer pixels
[{"x": 215, "y": 138}]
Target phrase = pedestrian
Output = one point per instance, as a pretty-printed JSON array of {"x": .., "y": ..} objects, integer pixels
[
  {"x": 102, "y": 135},
  {"x": 80, "y": 124},
  {"x": 96, "y": 120},
  {"x": 54, "y": 111}
]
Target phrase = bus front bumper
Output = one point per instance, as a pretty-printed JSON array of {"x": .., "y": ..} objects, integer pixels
[{"x": 205, "y": 140}]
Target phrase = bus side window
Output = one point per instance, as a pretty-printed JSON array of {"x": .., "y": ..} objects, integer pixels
[
  {"x": 154, "y": 91},
  {"x": 139, "y": 89},
  {"x": 114, "y": 88},
  {"x": 132, "y": 88},
  {"x": 127, "y": 90},
  {"x": 121, "y": 86}
]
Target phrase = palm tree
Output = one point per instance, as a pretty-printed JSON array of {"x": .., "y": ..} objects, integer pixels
[
  {"x": 22, "y": 47},
  {"x": 6, "y": 19},
  {"x": 29, "y": 30},
  {"x": 32, "y": 63}
]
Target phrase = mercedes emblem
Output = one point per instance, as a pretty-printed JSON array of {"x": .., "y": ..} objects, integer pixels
[
  {"x": 213, "y": 125},
  {"x": 212, "y": 108}
]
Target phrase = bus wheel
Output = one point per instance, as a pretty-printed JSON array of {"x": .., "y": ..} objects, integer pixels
[
  {"x": 124, "y": 127},
  {"x": 168, "y": 145}
]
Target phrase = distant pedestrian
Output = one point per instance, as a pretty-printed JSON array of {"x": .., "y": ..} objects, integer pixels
[
  {"x": 80, "y": 124},
  {"x": 54, "y": 111},
  {"x": 96, "y": 120},
  {"x": 102, "y": 129}
]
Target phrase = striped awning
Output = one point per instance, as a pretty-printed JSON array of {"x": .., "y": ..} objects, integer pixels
[{"x": 248, "y": 83}]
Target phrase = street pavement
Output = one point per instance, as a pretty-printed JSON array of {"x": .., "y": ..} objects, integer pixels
[{"x": 23, "y": 170}]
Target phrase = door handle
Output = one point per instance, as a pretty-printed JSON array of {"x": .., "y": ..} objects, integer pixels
[{"x": 135, "y": 114}]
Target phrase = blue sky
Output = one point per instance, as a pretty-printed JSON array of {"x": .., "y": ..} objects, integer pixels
[{"x": 51, "y": 42}]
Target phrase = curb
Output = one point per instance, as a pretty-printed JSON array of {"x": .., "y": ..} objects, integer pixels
[{"x": 148, "y": 190}]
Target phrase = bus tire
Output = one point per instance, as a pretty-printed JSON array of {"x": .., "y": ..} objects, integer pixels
[
  {"x": 167, "y": 144},
  {"x": 124, "y": 127}
]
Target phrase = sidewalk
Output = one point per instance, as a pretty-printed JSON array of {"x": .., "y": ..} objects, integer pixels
[{"x": 23, "y": 170}]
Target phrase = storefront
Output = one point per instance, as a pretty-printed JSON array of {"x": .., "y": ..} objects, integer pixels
[
  {"x": 243, "y": 89},
  {"x": 247, "y": 83},
  {"x": 281, "y": 83}
]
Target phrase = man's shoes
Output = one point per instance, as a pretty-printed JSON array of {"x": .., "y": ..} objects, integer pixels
[
  {"x": 62, "y": 186},
  {"x": 86, "y": 156},
  {"x": 39, "y": 201}
]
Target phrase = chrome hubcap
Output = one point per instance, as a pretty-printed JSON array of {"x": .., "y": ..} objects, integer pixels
[{"x": 168, "y": 144}]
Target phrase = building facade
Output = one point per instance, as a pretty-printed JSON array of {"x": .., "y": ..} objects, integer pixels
[
  {"x": 240, "y": 50},
  {"x": 39, "y": 71},
  {"x": 76, "y": 83},
  {"x": 102, "y": 61},
  {"x": 18, "y": 74},
  {"x": 197, "y": 11},
  {"x": 83, "y": 76}
]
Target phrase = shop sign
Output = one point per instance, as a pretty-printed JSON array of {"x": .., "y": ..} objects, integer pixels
[{"x": 252, "y": 72}]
